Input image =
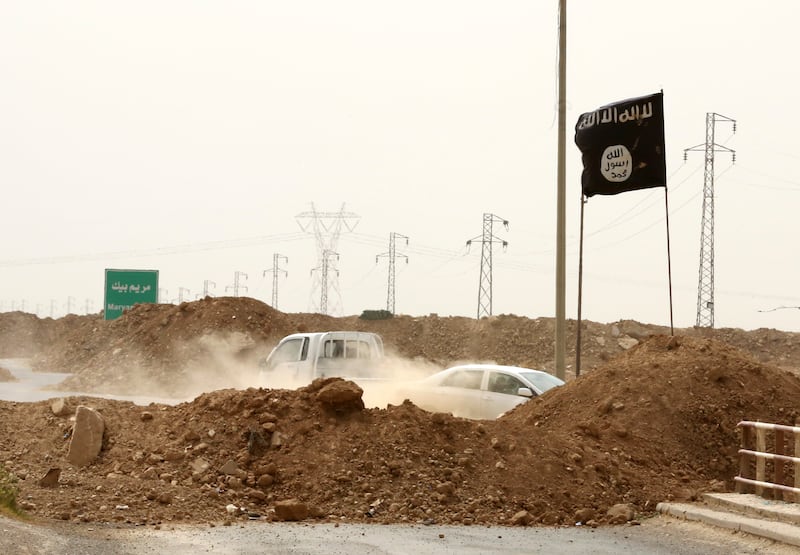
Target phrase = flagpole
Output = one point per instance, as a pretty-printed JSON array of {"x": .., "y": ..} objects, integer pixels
[
  {"x": 580, "y": 296},
  {"x": 561, "y": 210},
  {"x": 669, "y": 257},
  {"x": 669, "y": 263}
]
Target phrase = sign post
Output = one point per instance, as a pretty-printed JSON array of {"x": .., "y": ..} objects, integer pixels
[{"x": 125, "y": 288}]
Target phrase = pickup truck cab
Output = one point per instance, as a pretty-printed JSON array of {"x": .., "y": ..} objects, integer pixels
[{"x": 304, "y": 357}]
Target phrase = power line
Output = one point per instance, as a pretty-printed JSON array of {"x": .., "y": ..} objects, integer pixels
[{"x": 159, "y": 251}]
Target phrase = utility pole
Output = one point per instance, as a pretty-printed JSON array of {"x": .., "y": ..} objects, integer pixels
[
  {"x": 487, "y": 238},
  {"x": 705, "y": 283},
  {"x": 207, "y": 285},
  {"x": 236, "y": 285},
  {"x": 327, "y": 227},
  {"x": 392, "y": 254},
  {"x": 561, "y": 199},
  {"x": 276, "y": 270}
]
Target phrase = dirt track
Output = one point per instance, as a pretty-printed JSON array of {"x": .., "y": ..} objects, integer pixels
[{"x": 641, "y": 425}]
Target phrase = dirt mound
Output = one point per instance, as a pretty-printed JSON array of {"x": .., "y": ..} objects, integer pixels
[
  {"x": 656, "y": 423},
  {"x": 22, "y": 334},
  {"x": 6, "y": 375},
  {"x": 168, "y": 350}
]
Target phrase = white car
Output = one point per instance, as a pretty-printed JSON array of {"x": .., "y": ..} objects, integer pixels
[{"x": 478, "y": 391}]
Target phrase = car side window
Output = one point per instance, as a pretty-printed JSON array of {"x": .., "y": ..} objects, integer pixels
[
  {"x": 503, "y": 383},
  {"x": 467, "y": 379},
  {"x": 290, "y": 351}
]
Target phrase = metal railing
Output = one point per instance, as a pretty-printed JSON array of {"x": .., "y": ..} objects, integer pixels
[{"x": 754, "y": 446}]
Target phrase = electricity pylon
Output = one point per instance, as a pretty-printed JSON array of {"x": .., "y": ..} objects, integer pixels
[
  {"x": 207, "y": 285},
  {"x": 392, "y": 254},
  {"x": 276, "y": 271},
  {"x": 487, "y": 239},
  {"x": 236, "y": 285},
  {"x": 705, "y": 282},
  {"x": 326, "y": 227},
  {"x": 326, "y": 268}
]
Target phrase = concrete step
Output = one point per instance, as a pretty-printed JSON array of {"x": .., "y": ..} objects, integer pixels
[{"x": 775, "y": 520}]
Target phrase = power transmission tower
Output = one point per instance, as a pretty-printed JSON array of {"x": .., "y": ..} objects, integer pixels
[
  {"x": 487, "y": 239},
  {"x": 326, "y": 227},
  {"x": 276, "y": 270},
  {"x": 236, "y": 285},
  {"x": 207, "y": 285},
  {"x": 705, "y": 283},
  {"x": 392, "y": 254},
  {"x": 325, "y": 269}
]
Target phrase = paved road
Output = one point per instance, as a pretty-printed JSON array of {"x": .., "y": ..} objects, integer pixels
[{"x": 656, "y": 536}]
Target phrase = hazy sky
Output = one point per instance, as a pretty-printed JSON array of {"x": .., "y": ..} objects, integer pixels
[{"x": 187, "y": 136}]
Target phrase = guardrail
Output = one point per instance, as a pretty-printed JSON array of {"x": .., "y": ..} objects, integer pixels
[{"x": 754, "y": 447}]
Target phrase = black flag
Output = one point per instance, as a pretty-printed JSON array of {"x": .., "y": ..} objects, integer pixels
[{"x": 623, "y": 146}]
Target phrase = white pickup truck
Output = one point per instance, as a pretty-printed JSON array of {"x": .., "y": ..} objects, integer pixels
[{"x": 303, "y": 357}]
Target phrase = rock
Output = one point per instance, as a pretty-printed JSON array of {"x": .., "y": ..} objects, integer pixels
[
  {"x": 200, "y": 465},
  {"x": 230, "y": 468},
  {"x": 522, "y": 518},
  {"x": 50, "y": 479},
  {"x": 277, "y": 439},
  {"x": 265, "y": 481},
  {"x": 626, "y": 342},
  {"x": 87, "y": 436},
  {"x": 291, "y": 510},
  {"x": 255, "y": 494},
  {"x": 620, "y": 513},
  {"x": 341, "y": 396},
  {"x": 146, "y": 416},
  {"x": 150, "y": 473},
  {"x": 173, "y": 455},
  {"x": 584, "y": 515},
  {"x": 59, "y": 407}
]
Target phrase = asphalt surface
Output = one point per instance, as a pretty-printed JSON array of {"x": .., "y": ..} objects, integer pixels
[{"x": 661, "y": 535}]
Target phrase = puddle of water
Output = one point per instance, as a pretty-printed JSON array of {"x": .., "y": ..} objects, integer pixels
[{"x": 31, "y": 386}]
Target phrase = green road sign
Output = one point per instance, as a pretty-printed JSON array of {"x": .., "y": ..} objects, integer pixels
[{"x": 125, "y": 288}]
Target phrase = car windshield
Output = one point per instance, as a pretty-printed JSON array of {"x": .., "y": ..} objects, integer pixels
[{"x": 542, "y": 380}]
